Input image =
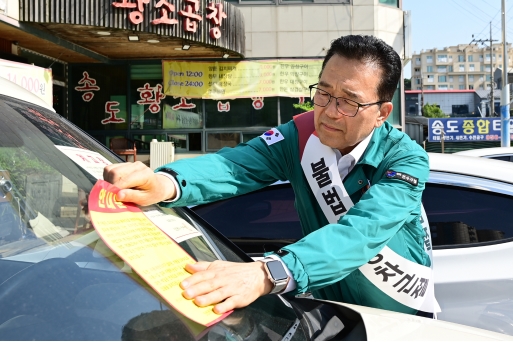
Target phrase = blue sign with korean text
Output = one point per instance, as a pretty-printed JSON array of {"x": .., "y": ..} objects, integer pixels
[{"x": 465, "y": 129}]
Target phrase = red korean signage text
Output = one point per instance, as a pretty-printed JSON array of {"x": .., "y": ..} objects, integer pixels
[{"x": 191, "y": 14}]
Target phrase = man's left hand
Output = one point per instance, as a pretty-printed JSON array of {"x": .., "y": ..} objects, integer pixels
[{"x": 229, "y": 285}]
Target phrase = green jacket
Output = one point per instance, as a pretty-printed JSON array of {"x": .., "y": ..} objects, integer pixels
[{"x": 326, "y": 261}]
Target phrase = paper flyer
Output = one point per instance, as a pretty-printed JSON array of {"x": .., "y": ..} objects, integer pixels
[
  {"x": 150, "y": 252},
  {"x": 92, "y": 162}
]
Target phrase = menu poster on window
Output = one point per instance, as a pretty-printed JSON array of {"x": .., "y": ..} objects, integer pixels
[
  {"x": 180, "y": 118},
  {"x": 149, "y": 251},
  {"x": 242, "y": 79}
]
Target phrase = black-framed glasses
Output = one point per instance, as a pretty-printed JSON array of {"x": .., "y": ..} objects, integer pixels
[{"x": 345, "y": 106}]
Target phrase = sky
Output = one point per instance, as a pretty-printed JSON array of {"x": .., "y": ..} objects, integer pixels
[{"x": 442, "y": 23}]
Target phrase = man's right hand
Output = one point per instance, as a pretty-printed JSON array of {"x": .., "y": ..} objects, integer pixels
[{"x": 138, "y": 183}]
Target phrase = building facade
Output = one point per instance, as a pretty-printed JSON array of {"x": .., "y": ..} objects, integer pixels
[
  {"x": 454, "y": 103},
  {"x": 461, "y": 67},
  {"x": 120, "y": 67}
]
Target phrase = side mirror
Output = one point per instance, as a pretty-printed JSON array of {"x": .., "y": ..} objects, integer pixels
[{"x": 5, "y": 187}]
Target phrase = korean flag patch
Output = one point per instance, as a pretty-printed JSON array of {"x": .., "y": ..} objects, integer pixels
[
  {"x": 402, "y": 176},
  {"x": 272, "y": 136}
]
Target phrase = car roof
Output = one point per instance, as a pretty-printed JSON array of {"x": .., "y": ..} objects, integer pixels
[
  {"x": 491, "y": 151},
  {"x": 470, "y": 166},
  {"x": 466, "y": 165},
  {"x": 12, "y": 89}
]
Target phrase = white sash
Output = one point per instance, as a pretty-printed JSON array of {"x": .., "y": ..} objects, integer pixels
[{"x": 405, "y": 281}]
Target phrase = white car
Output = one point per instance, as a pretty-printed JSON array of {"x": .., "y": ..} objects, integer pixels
[
  {"x": 469, "y": 204},
  {"x": 59, "y": 281},
  {"x": 470, "y": 212},
  {"x": 498, "y": 153}
]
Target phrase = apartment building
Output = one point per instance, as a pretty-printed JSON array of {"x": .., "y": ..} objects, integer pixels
[{"x": 461, "y": 67}]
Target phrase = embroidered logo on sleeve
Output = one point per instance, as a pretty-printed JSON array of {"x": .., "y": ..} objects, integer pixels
[
  {"x": 402, "y": 176},
  {"x": 272, "y": 136}
]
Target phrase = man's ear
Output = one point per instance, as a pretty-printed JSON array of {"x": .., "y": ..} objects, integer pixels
[{"x": 384, "y": 111}]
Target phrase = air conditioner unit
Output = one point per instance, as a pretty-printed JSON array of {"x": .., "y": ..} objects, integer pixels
[{"x": 161, "y": 153}]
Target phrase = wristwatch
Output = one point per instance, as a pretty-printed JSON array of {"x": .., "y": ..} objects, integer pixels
[{"x": 276, "y": 274}]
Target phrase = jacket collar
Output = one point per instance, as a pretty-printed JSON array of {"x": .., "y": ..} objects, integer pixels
[{"x": 375, "y": 151}]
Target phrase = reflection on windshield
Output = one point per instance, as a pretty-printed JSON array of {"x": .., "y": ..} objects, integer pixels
[{"x": 58, "y": 279}]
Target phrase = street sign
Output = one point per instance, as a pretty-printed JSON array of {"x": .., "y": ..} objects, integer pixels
[{"x": 465, "y": 129}]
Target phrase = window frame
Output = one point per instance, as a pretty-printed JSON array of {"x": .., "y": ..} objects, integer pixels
[{"x": 441, "y": 58}]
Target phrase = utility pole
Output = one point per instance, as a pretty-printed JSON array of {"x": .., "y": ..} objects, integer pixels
[
  {"x": 492, "y": 100},
  {"x": 482, "y": 41},
  {"x": 421, "y": 93},
  {"x": 505, "y": 131}
]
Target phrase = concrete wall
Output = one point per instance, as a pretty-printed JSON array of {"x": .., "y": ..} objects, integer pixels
[
  {"x": 10, "y": 8},
  {"x": 306, "y": 30}
]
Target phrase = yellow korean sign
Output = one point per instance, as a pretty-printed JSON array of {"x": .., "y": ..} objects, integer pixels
[{"x": 242, "y": 79}]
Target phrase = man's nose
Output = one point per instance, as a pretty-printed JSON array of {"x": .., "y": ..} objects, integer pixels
[{"x": 331, "y": 109}]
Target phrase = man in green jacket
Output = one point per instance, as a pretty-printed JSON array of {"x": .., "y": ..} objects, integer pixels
[{"x": 358, "y": 184}]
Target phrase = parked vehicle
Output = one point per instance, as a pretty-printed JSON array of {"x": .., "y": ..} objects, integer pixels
[
  {"x": 498, "y": 153},
  {"x": 59, "y": 281},
  {"x": 468, "y": 202}
]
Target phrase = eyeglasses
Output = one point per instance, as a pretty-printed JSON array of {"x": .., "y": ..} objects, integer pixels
[{"x": 345, "y": 106}]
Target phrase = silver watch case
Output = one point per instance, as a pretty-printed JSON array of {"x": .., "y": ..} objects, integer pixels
[{"x": 278, "y": 285}]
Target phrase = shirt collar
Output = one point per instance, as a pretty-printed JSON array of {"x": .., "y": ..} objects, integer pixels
[{"x": 359, "y": 149}]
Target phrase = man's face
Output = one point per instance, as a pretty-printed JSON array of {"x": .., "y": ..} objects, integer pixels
[{"x": 357, "y": 81}]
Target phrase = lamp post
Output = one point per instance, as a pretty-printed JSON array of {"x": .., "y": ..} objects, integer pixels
[
  {"x": 492, "y": 100},
  {"x": 505, "y": 131}
]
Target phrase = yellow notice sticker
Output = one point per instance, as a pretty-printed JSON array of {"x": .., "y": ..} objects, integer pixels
[{"x": 150, "y": 252}]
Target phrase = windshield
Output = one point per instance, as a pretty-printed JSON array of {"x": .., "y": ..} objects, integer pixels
[{"x": 59, "y": 281}]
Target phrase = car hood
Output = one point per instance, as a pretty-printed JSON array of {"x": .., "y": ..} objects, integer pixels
[{"x": 388, "y": 325}]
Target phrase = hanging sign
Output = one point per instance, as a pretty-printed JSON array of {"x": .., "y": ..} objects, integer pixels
[
  {"x": 35, "y": 79},
  {"x": 242, "y": 79}
]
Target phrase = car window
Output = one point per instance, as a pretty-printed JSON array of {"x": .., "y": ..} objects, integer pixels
[
  {"x": 468, "y": 211},
  {"x": 259, "y": 222},
  {"x": 504, "y": 158},
  {"x": 461, "y": 210},
  {"x": 58, "y": 280}
]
